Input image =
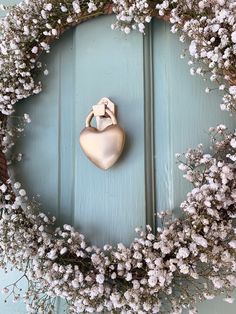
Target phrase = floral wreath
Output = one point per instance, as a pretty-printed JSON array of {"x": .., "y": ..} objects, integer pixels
[{"x": 166, "y": 271}]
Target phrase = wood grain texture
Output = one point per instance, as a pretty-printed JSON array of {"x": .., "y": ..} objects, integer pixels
[
  {"x": 109, "y": 204},
  {"x": 183, "y": 114},
  {"x": 105, "y": 205},
  {"x": 149, "y": 131},
  {"x": 143, "y": 77}
]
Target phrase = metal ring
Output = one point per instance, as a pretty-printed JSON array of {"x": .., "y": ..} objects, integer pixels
[{"x": 91, "y": 115}]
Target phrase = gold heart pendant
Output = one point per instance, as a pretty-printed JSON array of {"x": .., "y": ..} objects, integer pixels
[{"x": 103, "y": 147}]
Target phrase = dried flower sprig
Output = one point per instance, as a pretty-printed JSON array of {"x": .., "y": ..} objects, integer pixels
[{"x": 163, "y": 271}]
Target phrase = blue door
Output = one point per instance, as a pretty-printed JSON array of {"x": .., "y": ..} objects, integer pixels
[{"x": 145, "y": 77}]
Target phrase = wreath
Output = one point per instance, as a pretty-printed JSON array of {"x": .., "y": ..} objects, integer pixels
[{"x": 163, "y": 271}]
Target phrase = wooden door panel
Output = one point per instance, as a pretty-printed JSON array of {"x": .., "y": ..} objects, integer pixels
[
  {"x": 183, "y": 115},
  {"x": 105, "y": 205},
  {"x": 141, "y": 75},
  {"x": 109, "y": 204}
]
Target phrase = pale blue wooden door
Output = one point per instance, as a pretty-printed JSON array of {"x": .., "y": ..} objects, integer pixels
[{"x": 144, "y": 76}]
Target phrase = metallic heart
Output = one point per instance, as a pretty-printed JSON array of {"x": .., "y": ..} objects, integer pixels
[{"x": 104, "y": 147}]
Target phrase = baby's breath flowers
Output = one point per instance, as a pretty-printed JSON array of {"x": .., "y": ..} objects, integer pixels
[{"x": 167, "y": 270}]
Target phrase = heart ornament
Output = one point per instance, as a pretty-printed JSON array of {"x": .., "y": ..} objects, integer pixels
[{"x": 102, "y": 147}]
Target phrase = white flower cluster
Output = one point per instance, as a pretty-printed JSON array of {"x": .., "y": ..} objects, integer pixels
[
  {"x": 167, "y": 271},
  {"x": 154, "y": 274},
  {"x": 131, "y": 14},
  {"x": 212, "y": 35},
  {"x": 27, "y": 31},
  {"x": 211, "y": 27}
]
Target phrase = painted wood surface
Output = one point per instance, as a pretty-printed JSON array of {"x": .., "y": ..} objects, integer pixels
[
  {"x": 142, "y": 76},
  {"x": 183, "y": 115},
  {"x": 105, "y": 205}
]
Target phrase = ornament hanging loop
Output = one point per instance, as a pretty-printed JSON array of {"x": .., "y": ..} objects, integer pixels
[
  {"x": 108, "y": 112},
  {"x": 103, "y": 118}
]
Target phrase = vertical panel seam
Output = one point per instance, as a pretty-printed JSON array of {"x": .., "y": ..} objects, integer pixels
[
  {"x": 170, "y": 150},
  {"x": 73, "y": 129},
  {"x": 149, "y": 145},
  {"x": 59, "y": 140},
  {"x": 58, "y": 301}
]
